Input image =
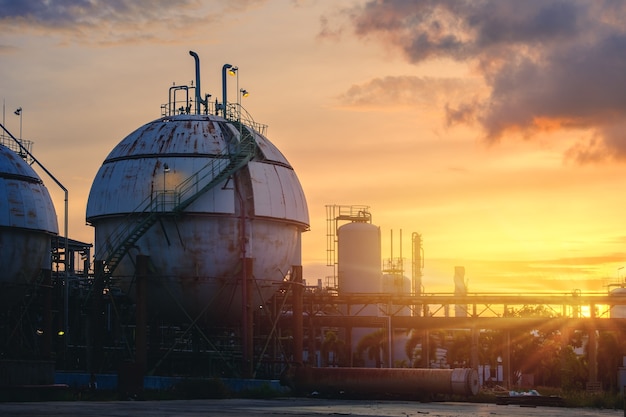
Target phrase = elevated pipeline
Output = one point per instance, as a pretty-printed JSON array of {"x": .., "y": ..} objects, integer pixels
[{"x": 411, "y": 382}]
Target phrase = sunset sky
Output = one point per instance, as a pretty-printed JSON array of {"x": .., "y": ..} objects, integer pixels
[{"x": 496, "y": 129}]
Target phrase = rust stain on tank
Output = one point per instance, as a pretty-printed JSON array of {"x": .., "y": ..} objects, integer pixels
[
  {"x": 107, "y": 171},
  {"x": 193, "y": 128},
  {"x": 211, "y": 127},
  {"x": 157, "y": 167},
  {"x": 16, "y": 209},
  {"x": 165, "y": 140},
  {"x": 131, "y": 147}
]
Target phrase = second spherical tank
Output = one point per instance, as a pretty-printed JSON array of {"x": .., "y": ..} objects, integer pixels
[
  {"x": 197, "y": 256},
  {"x": 27, "y": 225}
]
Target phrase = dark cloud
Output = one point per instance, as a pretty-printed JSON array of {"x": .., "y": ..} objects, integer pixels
[
  {"x": 6, "y": 49},
  {"x": 115, "y": 20},
  {"x": 63, "y": 13},
  {"x": 391, "y": 92},
  {"x": 549, "y": 64}
]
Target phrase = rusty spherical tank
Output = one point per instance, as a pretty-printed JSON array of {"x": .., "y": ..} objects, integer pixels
[
  {"x": 28, "y": 223},
  {"x": 197, "y": 249}
]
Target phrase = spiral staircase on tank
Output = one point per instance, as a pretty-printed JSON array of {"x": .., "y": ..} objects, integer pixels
[{"x": 172, "y": 203}]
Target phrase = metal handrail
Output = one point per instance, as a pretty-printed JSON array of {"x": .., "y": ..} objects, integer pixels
[
  {"x": 185, "y": 193},
  {"x": 235, "y": 112}
]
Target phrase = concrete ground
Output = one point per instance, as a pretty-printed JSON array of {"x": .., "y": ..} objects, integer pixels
[{"x": 285, "y": 407}]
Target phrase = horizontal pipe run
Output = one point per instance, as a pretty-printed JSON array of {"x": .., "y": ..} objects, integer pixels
[{"x": 394, "y": 381}]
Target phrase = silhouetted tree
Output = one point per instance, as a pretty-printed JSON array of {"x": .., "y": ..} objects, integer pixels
[
  {"x": 459, "y": 349},
  {"x": 335, "y": 346},
  {"x": 548, "y": 369},
  {"x": 539, "y": 352},
  {"x": 413, "y": 348},
  {"x": 610, "y": 355},
  {"x": 375, "y": 344},
  {"x": 574, "y": 370}
]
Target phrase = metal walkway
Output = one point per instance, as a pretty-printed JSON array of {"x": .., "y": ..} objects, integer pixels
[{"x": 172, "y": 203}]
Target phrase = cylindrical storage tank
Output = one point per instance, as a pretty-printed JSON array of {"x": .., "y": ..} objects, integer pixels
[
  {"x": 390, "y": 381},
  {"x": 396, "y": 284},
  {"x": 400, "y": 285},
  {"x": 460, "y": 290},
  {"x": 359, "y": 258},
  {"x": 618, "y": 311},
  {"x": 28, "y": 223},
  {"x": 359, "y": 272},
  {"x": 197, "y": 255}
]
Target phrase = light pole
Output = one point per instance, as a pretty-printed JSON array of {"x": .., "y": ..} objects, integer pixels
[
  {"x": 166, "y": 169},
  {"x": 232, "y": 71},
  {"x": 242, "y": 93},
  {"x": 18, "y": 112}
]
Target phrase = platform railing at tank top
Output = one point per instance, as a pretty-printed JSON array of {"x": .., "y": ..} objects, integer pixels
[
  {"x": 234, "y": 112},
  {"x": 10, "y": 143}
]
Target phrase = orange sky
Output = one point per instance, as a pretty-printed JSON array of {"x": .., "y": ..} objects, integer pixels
[{"x": 498, "y": 135}]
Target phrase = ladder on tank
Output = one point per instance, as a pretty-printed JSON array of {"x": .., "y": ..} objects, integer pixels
[{"x": 149, "y": 211}]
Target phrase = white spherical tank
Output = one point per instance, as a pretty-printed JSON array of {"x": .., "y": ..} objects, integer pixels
[
  {"x": 197, "y": 255},
  {"x": 28, "y": 223},
  {"x": 359, "y": 258}
]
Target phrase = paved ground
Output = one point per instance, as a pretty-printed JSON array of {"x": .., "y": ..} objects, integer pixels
[{"x": 287, "y": 407}]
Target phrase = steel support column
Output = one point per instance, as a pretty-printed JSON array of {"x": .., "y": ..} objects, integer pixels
[
  {"x": 506, "y": 360},
  {"x": 140, "y": 314},
  {"x": 46, "y": 285},
  {"x": 296, "y": 291},
  {"x": 96, "y": 320},
  {"x": 475, "y": 333},
  {"x": 248, "y": 318}
]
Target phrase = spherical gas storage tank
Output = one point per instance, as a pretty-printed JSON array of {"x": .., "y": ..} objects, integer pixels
[
  {"x": 196, "y": 254},
  {"x": 28, "y": 223}
]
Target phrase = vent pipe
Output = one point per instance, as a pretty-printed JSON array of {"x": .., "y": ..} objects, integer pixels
[
  {"x": 199, "y": 99},
  {"x": 224, "y": 105}
]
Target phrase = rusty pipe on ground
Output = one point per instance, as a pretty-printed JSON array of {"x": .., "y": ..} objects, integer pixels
[{"x": 393, "y": 381}]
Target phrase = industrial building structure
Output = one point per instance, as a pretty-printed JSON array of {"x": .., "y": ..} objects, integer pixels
[{"x": 197, "y": 268}]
